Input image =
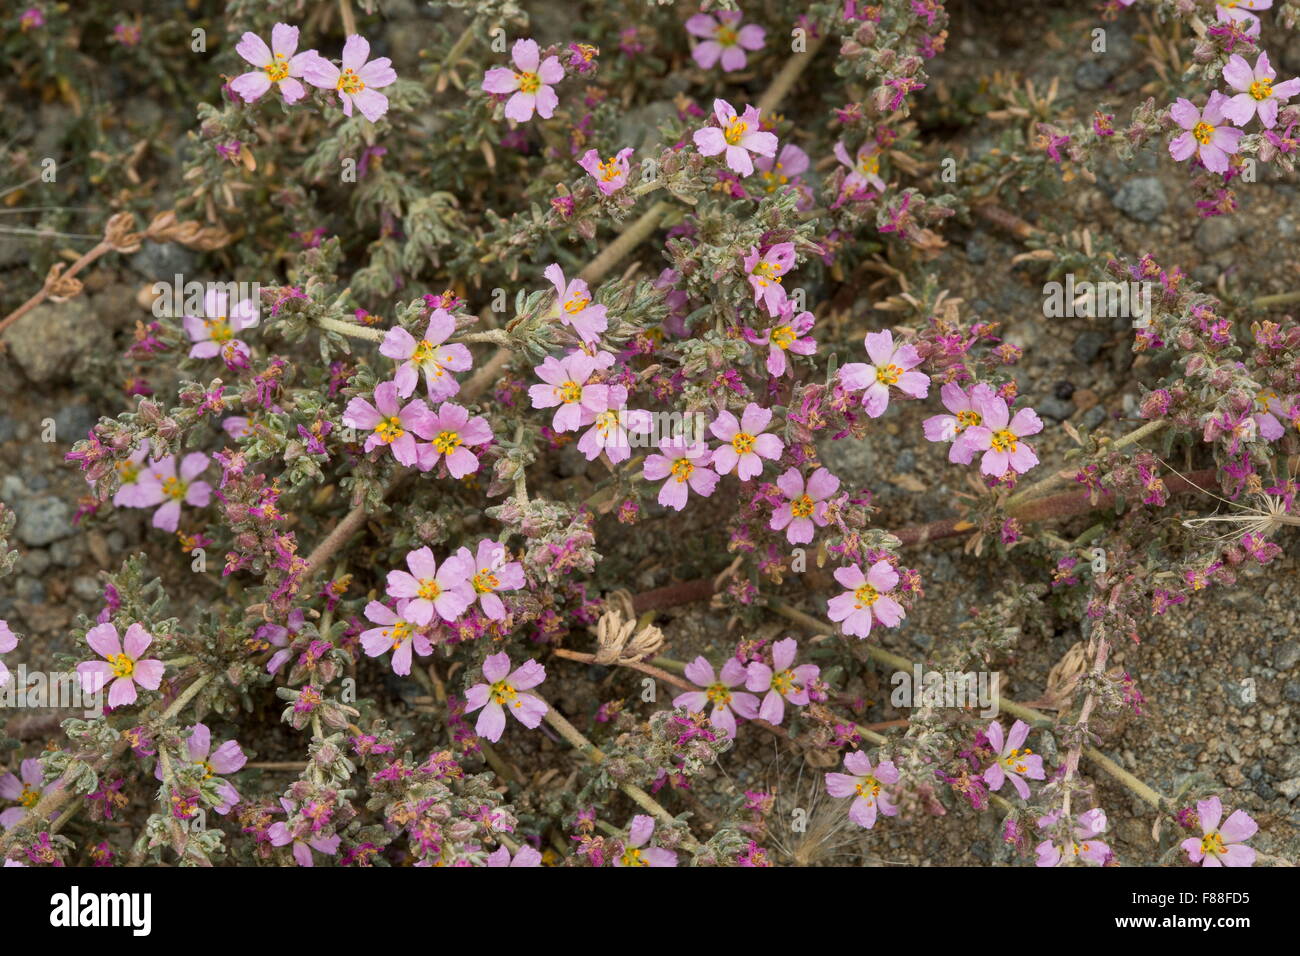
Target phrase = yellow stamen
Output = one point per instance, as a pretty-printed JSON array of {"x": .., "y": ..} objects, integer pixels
[{"x": 122, "y": 665}]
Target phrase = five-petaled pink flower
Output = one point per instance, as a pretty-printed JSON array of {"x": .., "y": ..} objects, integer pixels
[
  {"x": 864, "y": 783},
  {"x": 530, "y": 82},
  {"x": 1255, "y": 90},
  {"x": 723, "y": 39},
  {"x": 121, "y": 663},
  {"x": 397, "y": 632},
  {"x": 719, "y": 691},
  {"x": 277, "y": 64},
  {"x": 635, "y": 851},
  {"x": 764, "y": 273},
  {"x": 8, "y": 641},
  {"x": 391, "y": 423},
  {"x": 454, "y": 433},
  {"x": 490, "y": 572},
  {"x": 1084, "y": 843},
  {"x": 610, "y": 174},
  {"x": 300, "y": 835},
  {"x": 216, "y": 332},
  {"x": 357, "y": 82},
  {"x": 1208, "y": 134},
  {"x": 866, "y": 599},
  {"x": 160, "y": 485},
  {"x": 24, "y": 789},
  {"x": 804, "y": 508},
  {"x": 566, "y": 386},
  {"x": 736, "y": 137},
  {"x": 747, "y": 442},
  {"x": 891, "y": 365},
  {"x": 227, "y": 758},
  {"x": 966, "y": 414},
  {"x": 573, "y": 305},
  {"x": 791, "y": 335},
  {"x": 612, "y": 430},
  {"x": 864, "y": 170},
  {"x": 1001, "y": 437},
  {"x": 1011, "y": 759},
  {"x": 503, "y": 689},
  {"x": 431, "y": 588},
  {"x": 1221, "y": 846},
  {"x": 684, "y": 463},
  {"x": 781, "y": 681},
  {"x": 429, "y": 355}
]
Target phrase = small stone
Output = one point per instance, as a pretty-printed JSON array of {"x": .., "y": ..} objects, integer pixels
[
  {"x": 47, "y": 341},
  {"x": 1088, "y": 346},
  {"x": 1291, "y": 691},
  {"x": 1286, "y": 227},
  {"x": 1093, "y": 417},
  {"x": 1289, "y": 788},
  {"x": 163, "y": 261},
  {"x": 72, "y": 422},
  {"x": 86, "y": 587},
  {"x": 8, "y": 429},
  {"x": 34, "y": 562},
  {"x": 29, "y": 590},
  {"x": 1141, "y": 198},
  {"x": 1287, "y": 655},
  {"x": 1092, "y": 74},
  {"x": 1216, "y": 234},
  {"x": 1055, "y": 409},
  {"x": 43, "y": 520}
]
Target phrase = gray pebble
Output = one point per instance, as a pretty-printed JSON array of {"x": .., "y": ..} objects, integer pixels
[
  {"x": 1216, "y": 234},
  {"x": 1087, "y": 346},
  {"x": 43, "y": 520},
  {"x": 1287, "y": 655},
  {"x": 1142, "y": 198},
  {"x": 86, "y": 587},
  {"x": 1054, "y": 408}
]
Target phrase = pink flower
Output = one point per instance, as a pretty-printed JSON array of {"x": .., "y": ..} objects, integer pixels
[
  {"x": 683, "y": 464},
  {"x": 610, "y": 174},
  {"x": 280, "y": 834},
  {"x": 530, "y": 83},
  {"x": 396, "y": 633},
  {"x": 782, "y": 682},
  {"x": 1221, "y": 847},
  {"x": 1239, "y": 11},
  {"x": 454, "y": 432},
  {"x": 25, "y": 790},
  {"x": 277, "y": 64},
  {"x": 747, "y": 442},
  {"x": 573, "y": 305},
  {"x": 8, "y": 641},
  {"x": 1255, "y": 90},
  {"x": 954, "y": 428},
  {"x": 765, "y": 272},
  {"x": 392, "y": 424},
  {"x": 612, "y": 429},
  {"x": 864, "y": 170},
  {"x": 226, "y": 759},
  {"x": 445, "y": 590},
  {"x": 782, "y": 170},
  {"x": 864, "y": 782},
  {"x": 504, "y": 689},
  {"x": 159, "y": 484},
  {"x": 429, "y": 355},
  {"x": 787, "y": 337},
  {"x": 121, "y": 663},
  {"x": 804, "y": 509},
  {"x": 566, "y": 386},
  {"x": 133, "y": 490},
  {"x": 526, "y": 856},
  {"x": 890, "y": 365},
  {"x": 718, "y": 691},
  {"x": 277, "y": 635},
  {"x": 724, "y": 39},
  {"x": 736, "y": 136},
  {"x": 1001, "y": 437},
  {"x": 636, "y": 853},
  {"x": 1085, "y": 844},
  {"x": 357, "y": 82},
  {"x": 216, "y": 331},
  {"x": 490, "y": 573},
  {"x": 1207, "y": 134},
  {"x": 866, "y": 600},
  {"x": 1010, "y": 761}
]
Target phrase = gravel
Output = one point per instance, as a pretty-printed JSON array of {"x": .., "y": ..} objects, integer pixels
[{"x": 1142, "y": 199}]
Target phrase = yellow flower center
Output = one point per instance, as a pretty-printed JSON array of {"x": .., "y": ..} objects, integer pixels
[
  {"x": 783, "y": 682},
  {"x": 1261, "y": 89},
  {"x": 632, "y": 857},
  {"x": 868, "y": 787},
  {"x": 1212, "y": 843},
  {"x": 219, "y": 329},
  {"x": 802, "y": 506},
  {"x": 128, "y": 471},
  {"x": 400, "y": 630},
  {"x": 1015, "y": 760},
  {"x": 888, "y": 374},
  {"x": 742, "y": 443},
  {"x": 966, "y": 419},
  {"x": 734, "y": 131},
  {"x": 528, "y": 82},
  {"x": 1004, "y": 440},
  {"x": 606, "y": 422},
  {"x": 278, "y": 68},
  {"x": 726, "y": 36},
  {"x": 865, "y": 596},
  {"x": 1203, "y": 132},
  {"x": 208, "y": 772},
  {"x": 485, "y": 582},
  {"x": 425, "y": 353},
  {"x": 718, "y": 694},
  {"x": 783, "y": 337},
  {"x": 569, "y": 392},
  {"x": 390, "y": 429},
  {"x": 577, "y": 302},
  {"x": 504, "y": 694},
  {"x": 122, "y": 665},
  {"x": 609, "y": 170},
  {"x": 349, "y": 82},
  {"x": 683, "y": 469},
  {"x": 766, "y": 272},
  {"x": 447, "y": 442},
  {"x": 429, "y": 589},
  {"x": 174, "y": 488},
  {"x": 29, "y": 797},
  {"x": 869, "y": 165}
]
